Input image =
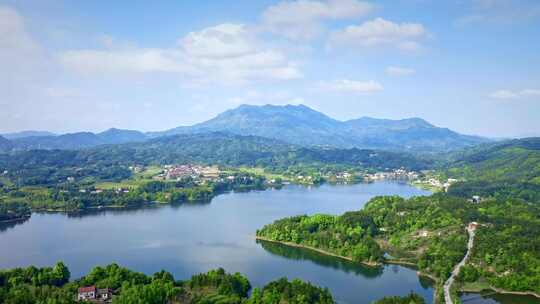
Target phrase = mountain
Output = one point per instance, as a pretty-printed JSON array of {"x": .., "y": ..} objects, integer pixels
[
  {"x": 408, "y": 134},
  {"x": 295, "y": 124},
  {"x": 80, "y": 140},
  {"x": 29, "y": 133},
  {"x": 118, "y": 136},
  {"x": 304, "y": 126},
  {"x": 299, "y": 125},
  {"x": 5, "y": 144}
]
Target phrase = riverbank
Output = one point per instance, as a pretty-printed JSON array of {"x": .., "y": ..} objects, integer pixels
[{"x": 370, "y": 264}]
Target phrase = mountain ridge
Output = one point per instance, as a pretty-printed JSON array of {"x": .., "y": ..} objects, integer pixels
[
  {"x": 294, "y": 124},
  {"x": 299, "y": 124}
]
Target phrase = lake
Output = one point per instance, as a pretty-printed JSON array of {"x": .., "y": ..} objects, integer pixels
[{"x": 194, "y": 238}]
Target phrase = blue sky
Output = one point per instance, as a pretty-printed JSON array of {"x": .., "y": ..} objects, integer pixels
[{"x": 470, "y": 65}]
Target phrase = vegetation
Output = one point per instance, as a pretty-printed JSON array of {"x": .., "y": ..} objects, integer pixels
[
  {"x": 76, "y": 196},
  {"x": 507, "y": 170},
  {"x": 294, "y": 292},
  {"x": 223, "y": 149},
  {"x": 350, "y": 235},
  {"x": 52, "y": 285},
  {"x": 12, "y": 211},
  {"x": 428, "y": 232},
  {"x": 410, "y": 299},
  {"x": 101, "y": 177}
]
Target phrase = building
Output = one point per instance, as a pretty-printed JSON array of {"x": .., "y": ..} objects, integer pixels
[
  {"x": 104, "y": 294},
  {"x": 473, "y": 225},
  {"x": 92, "y": 294},
  {"x": 87, "y": 293}
]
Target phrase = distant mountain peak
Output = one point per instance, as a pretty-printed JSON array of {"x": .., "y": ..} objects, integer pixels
[{"x": 302, "y": 125}]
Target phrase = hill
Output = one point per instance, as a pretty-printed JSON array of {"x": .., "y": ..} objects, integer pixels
[
  {"x": 304, "y": 126},
  {"x": 110, "y": 161},
  {"x": 29, "y": 133},
  {"x": 413, "y": 134},
  {"x": 509, "y": 168},
  {"x": 80, "y": 140},
  {"x": 5, "y": 145}
]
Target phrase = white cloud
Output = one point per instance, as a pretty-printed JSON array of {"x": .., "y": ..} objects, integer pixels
[
  {"x": 380, "y": 32},
  {"x": 13, "y": 34},
  {"x": 507, "y": 94},
  {"x": 224, "y": 40},
  {"x": 399, "y": 71},
  {"x": 226, "y": 53},
  {"x": 254, "y": 97},
  {"x": 20, "y": 54},
  {"x": 303, "y": 19},
  {"x": 351, "y": 86},
  {"x": 500, "y": 11}
]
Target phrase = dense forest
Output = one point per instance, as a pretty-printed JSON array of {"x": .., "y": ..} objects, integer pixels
[
  {"x": 509, "y": 169},
  {"x": 206, "y": 148},
  {"x": 77, "y": 196},
  {"x": 428, "y": 232},
  {"x": 52, "y": 285}
]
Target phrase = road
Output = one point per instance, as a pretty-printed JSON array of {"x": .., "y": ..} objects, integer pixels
[{"x": 457, "y": 268}]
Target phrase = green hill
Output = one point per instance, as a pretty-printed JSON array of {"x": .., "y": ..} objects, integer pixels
[{"x": 509, "y": 168}]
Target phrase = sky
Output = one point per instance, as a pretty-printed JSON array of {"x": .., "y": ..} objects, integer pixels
[{"x": 470, "y": 65}]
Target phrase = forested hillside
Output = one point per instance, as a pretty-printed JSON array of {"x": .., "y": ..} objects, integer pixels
[
  {"x": 506, "y": 169},
  {"x": 111, "y": 161},
  {"x": 52, "y": 285},
  {"x": 429, "y": 232}
]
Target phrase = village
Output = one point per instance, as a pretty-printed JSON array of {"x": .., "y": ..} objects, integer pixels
[{"x": 178, "y": 172}]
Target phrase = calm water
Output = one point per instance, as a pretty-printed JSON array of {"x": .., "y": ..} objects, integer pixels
[{"x": 195, "y": 238}]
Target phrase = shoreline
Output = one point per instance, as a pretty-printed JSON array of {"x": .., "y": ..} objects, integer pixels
[
  {"x": 369, "y": 264},
  {"x": 393, "y": 262},
  {"x": 398, "y": 262},
  {"x": 19, "y": 219},
  {"x": 500, "y": 291}
]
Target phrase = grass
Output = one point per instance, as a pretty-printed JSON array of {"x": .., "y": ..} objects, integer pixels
[
  {"x": 134, "y": 182},
  {"x": 477, "y": 286},
  {"x": 261, "y": 172}
]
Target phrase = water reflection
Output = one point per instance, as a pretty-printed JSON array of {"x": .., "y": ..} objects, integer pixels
[
  {"x": 4, "y": 226},
  {"x": 295, "y": 253},
  {"x": 488, "y": 297}
]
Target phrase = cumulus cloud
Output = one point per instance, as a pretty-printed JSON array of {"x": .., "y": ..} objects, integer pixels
[
  {"x": 226, "y": 53},
  {"x": 351, "y": 86},
  {"x": 508, "y": 94},
  {"x": 380, "y": 32},
  {"x": 399, "y": 71},
  {"x": 303, "y": 19}
]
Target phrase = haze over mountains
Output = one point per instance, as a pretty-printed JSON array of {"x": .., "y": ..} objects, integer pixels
[{"x": 299, "y": 125}]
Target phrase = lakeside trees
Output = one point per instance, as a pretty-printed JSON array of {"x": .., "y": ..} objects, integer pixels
[
  {"x": 52, "y": 285},
  {"x": 429, "y": 233}
]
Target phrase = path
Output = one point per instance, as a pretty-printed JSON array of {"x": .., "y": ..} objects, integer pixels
[{"x": 447, "y": 298}]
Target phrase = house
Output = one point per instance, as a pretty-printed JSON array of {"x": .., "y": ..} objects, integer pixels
[
  {"x": 423, "y": 233},
  {"x": 87, "y": 293},
  {"x": 104, "y": 294},
  {"x": 473, "y": 225},
  {"x": 92, "y": 294}
]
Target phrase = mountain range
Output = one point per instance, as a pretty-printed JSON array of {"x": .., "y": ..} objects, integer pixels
[{"x": 294, "y": 124}]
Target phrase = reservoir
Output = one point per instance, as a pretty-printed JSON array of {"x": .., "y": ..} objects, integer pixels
[{"x": 194, "y": 238}]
